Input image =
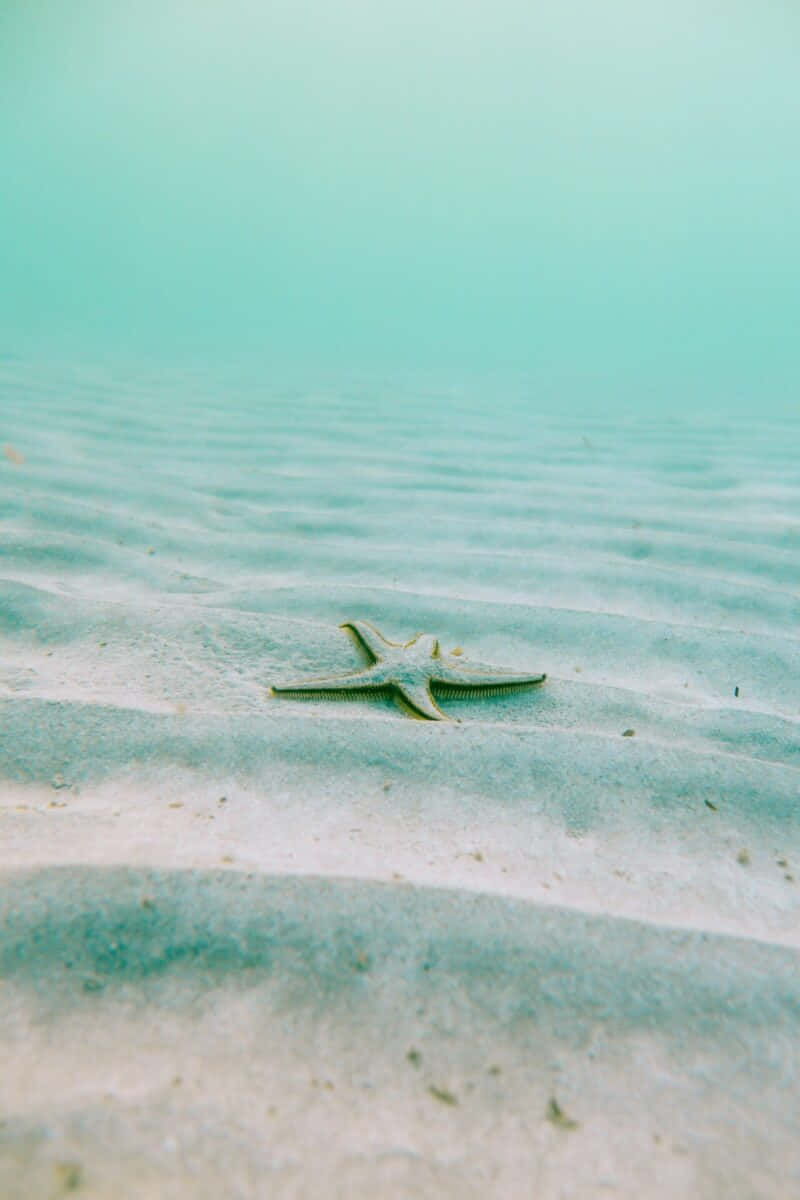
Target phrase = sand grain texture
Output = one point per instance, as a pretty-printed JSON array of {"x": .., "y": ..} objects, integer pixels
[{"x": 252, "y": 946}]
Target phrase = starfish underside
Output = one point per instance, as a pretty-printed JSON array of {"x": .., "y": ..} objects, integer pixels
[{"x": 411, "y": 672}]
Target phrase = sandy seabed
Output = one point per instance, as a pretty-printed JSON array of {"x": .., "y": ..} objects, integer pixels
[{"x": 258, "y": 947}]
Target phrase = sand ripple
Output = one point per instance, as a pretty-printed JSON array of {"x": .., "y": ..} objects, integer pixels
[{"x": 264, "y": 897}]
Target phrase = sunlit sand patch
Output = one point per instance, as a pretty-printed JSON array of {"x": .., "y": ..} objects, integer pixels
[{"x": 404, "y": 1032}]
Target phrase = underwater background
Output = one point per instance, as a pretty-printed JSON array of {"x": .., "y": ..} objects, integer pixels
[
  {"x": 477, "y": 320},
  {"x": 600, "y": 198}
]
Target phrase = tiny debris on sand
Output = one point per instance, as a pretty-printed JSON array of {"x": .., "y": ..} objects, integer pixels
[
  {"x": 629, "y": 733},
  {"x": 743, "y": 858},
  {"x": 710, "y": 804},
  {"x": 557, "y": 1116},
  {"x": 414, "y": 1057},
  {"x": 442, "y": 1095},
  {"x": 68, "y": 1176}
]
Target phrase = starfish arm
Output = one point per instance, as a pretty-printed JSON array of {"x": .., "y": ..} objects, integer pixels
[
  {"x": 368, "y": 638},
  {"x": 357, "y": 681},
  {"x": 460, "y": 677},
  {"x": 418, "y": 699}
]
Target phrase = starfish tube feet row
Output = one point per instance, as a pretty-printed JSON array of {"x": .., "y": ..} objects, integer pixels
[{"x": 409, "y": 671}]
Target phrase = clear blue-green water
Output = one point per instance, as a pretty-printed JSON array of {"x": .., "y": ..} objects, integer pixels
[
  {"x": 470, "y": 319},
  {"x": 602, "y": 198}
]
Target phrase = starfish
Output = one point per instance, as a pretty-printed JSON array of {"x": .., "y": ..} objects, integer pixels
[{"x": 409, "y": 672}]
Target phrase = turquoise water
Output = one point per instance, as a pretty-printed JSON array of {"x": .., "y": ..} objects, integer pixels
[
  {"x": 472, "y": 320},
  {"x": 602, "y": 198}
]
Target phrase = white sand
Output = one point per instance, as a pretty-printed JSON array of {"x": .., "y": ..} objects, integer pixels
[{"x": 534, "y": 906}]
